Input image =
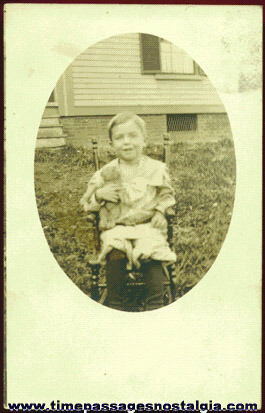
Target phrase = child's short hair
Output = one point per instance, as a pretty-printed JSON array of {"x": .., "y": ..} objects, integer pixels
[{"x": 124, "y": 117}]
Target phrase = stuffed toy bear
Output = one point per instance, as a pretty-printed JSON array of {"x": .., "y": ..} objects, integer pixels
[{"x": 110, "y": 212}]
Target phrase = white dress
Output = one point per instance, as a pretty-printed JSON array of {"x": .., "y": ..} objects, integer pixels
[{"x": 146, "y": 186}]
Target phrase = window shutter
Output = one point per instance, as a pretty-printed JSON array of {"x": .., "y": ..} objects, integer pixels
[{"x": 150, "y": 53}]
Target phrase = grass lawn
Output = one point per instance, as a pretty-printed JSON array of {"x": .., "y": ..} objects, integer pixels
[{"x": 203, "y": 175}]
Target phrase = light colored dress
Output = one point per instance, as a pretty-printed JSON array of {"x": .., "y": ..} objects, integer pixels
[{"x": 145, "y": 187}]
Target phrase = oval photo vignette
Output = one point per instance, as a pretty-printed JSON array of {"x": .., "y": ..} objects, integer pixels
[{"x": 186, "y": 125}]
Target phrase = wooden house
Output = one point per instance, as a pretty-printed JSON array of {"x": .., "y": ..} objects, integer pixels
[{"x": 140, "y": 73}]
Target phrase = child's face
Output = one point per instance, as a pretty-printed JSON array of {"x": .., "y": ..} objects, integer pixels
[{"x": 128, "y": 141}]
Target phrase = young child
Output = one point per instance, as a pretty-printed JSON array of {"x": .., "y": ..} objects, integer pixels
[{"x": 144, "y": 193}]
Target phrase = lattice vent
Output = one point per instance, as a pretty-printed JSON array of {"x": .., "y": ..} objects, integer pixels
[{"x": 181, "y": 123}]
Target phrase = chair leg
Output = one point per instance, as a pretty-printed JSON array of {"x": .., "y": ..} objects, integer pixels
[
  {"x": 155, "y": 273},
  {"x": 94, "y": 283},
  {"x": 104, "y": 296},
  {"x": 172, "y": 270},
  {"x": 169, "y": 272}
]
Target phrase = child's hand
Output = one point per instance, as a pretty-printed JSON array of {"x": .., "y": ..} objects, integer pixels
[
  {"x": 159, "y": 221},
  {"x": 83, "y": 202},
  {"x": 108, "y": 193},
  {"x": 86, "y": 206}
]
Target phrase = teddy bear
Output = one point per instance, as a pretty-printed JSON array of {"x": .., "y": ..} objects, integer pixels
[{"x": 110, "y": 212}]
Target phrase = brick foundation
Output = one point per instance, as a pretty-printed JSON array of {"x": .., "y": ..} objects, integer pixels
[{"x": 210, "y": 127}]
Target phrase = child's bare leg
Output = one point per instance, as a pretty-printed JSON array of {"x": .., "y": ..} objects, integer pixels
[
  {"x": 154, "y": 277},
  {"x": 116, "y": 280}
]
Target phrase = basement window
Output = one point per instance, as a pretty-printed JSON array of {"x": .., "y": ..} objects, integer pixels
[{"x": 180, "y": 123}]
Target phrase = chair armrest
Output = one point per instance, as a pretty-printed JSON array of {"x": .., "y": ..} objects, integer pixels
[
  {"x": 92, "y": 216},
  {"x": 170, "y": 212}
]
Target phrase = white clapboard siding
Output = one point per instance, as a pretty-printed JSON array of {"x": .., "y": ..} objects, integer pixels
[
  {"x": 114, "y": 47},
  {"x": 147, "y": 101},
  {"x": 132, "y": 38},
  {"x": 147, "y": 89},
  {"x": 95, "y": 83},
  {"x": 82, "y": 77},
  {"x": 140, "y": 95},
  {"x": 89, "y": 65},
  {"x": 115, "y": 88},
  {"x": 119, "y": 55},
  {"x": 110, "y": 74},
  {"x": 103, "y": 69}
]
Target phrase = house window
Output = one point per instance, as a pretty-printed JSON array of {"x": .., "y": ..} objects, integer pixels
[
  {"x": 161, "y": 56},
  {"x": 180, "y": 123},
  {"x": 174, "y": 60}
]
